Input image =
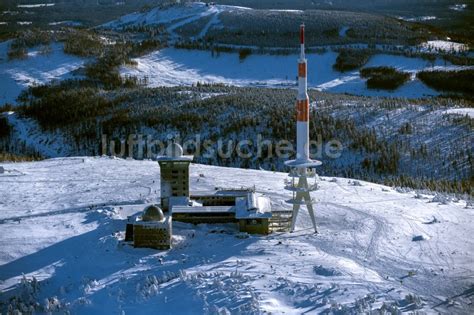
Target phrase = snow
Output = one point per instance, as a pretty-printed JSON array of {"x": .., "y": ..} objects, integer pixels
[
  {"x": 287, "y": 11},
  {"x": 173, "y": 67},
  {"x": 343, "y": 31},
  {"x": 418, "y": 18},
  {"x": 29, "y": 132},
  {"x": 62, "y": 222},
  {"x": 39, "y": 5},
  {"x": 445, "y": 45},
  {"x": 175, "y": 16},
  {"x": 68, "y": 23},
  {"x": 16, "y": 75},
  {"x": 458, "y": 7},
  {"x": 211, "y": 11},
  {"x": 461, "y": 111}
]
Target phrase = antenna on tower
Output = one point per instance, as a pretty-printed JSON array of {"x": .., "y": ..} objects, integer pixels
[{"x": 302, "y": 167}]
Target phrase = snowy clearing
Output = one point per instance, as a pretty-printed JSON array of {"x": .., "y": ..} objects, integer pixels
[
  {"x": 173, "y": 67},
  {"x": 31, "y": 6},
  {"x": 67, "y": 23},
  {"x": 16, "y": 75},
  {"x": 28, "y": 131},
  {"x": 418, "y": 18},
  {"x": 445, "y": 46},
  {"x": 458, "y": 7},
  {"x": 175, "y": 16},
  {"x": 62, "y": 222},
  {"x": 461, "y": 111}
]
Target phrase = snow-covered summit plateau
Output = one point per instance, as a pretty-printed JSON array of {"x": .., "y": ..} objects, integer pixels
[{"x": 62, "y": 222}]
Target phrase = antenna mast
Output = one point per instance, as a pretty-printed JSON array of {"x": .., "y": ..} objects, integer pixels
[{"x": 302, "y": 167}]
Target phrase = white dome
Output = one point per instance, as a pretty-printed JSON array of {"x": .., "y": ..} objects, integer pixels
[{"x": 174, "y": 150}]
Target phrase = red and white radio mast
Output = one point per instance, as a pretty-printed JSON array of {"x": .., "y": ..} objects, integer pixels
[{"x": 302, "y": 167}]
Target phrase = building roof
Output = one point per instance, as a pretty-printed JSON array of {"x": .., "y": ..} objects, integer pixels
[
  {"x": 153, "y": 213},
  {"x": 221, "y": 192},
  {"x": 253, "y": 207},
  {"x": 200, "y": 209},
  {"x": 178, "y": 201},
  {"x": 166, "y": 222},
  {"x": 174, "y": 152},
  {"x": 182, "y": 158},
  {"x": 248, "y": 205}
]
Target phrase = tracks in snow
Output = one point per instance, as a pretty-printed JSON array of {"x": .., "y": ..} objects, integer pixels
[
  {"x": 82, "y": 209},
  {"x": 214, "y": 11},
  {"x": 379, "y": 227}
]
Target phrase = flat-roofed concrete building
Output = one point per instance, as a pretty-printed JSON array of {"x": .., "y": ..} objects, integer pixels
[
  {"x": 244, "y": 206},
  {"x": 200, "y": 214}
]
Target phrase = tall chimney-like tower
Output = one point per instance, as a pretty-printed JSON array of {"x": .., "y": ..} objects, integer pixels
[
  {"x": 302, "y": 167},
  {"x": 302, "y": 106}
]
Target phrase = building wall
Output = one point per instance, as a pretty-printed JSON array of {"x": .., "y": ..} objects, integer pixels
[
  {"x": 129, "y": 233},
  {"x": 174, "y": 181},
  {"x": 215, "y": 200},
  {"x": 151, "y": 237},
  {"x": 210, "y": 218},
  {"x": 254, "y": 226}
]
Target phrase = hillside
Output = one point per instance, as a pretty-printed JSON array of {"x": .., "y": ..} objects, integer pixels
[
  {"x": 86, "y": 83},
  {"x": 17, "y": 15},
  {"x": 236, "y": 25},
  {"x": 453, "y": 17},
  {"x": 389, "y": 21},
  {"x": 389, "y": 140},
  {"x": 367, "y": 256}
]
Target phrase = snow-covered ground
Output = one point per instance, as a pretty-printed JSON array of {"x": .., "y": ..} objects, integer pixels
[
  {"x": 32, "y": 6},
  {"x": 418, "y": 18},
  {"x": 16, "y": 75},
  {"x": 62, "y": 222},
  {"x": 28, "y": 131},
  {"x": 67, "y": 23},
  {"x": 461, "y": 111},
  {"x": 175, "y": 16},
  {"x": 172, "y": 67},
  {"x": 458, "y": 7},
  {"x": 444, "y": 46}
]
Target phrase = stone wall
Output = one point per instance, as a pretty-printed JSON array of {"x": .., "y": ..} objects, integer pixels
[{"x": 151, "y": 236}]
